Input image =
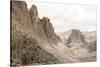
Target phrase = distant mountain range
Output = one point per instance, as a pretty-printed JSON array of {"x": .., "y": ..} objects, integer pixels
[{"x": 77, "y": 39}]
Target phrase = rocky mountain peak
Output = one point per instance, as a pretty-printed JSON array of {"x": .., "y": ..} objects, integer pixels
[
  {"x": 34, "y": 14},
  {"x": 76, "y": 37},
  {"x": 76, "y": 34},
  {"x": 47, "y": 26},
  {"x": 46, "y": 19}
]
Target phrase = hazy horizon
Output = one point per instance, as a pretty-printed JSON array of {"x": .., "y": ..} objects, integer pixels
[{"x": 67, "y": 16}]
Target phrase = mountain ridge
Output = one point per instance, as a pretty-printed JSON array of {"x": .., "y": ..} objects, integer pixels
[{"x": 27, "y": 34}]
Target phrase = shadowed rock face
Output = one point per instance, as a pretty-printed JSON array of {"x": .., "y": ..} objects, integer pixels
[
  {"x": 76, "y": 39},
  {"x": 28, "y": 34}
]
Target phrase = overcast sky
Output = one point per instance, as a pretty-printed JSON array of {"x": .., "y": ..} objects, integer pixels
[{"x": 64, "y": 16}]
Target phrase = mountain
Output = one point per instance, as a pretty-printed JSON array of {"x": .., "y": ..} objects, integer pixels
[
  {"x": 64, "y": 35},
  {"x": 90, "y": 36},
  {"x": 29, "y": 34},
  {"x": 76, "y": 39},
  {"x": 33, "y": 40},
  {"x": 81, "y": 44},
  {"x": 92, "y": 46},
  {"x": 73, "y": 38},
  {"x": 76, "y": 35}
]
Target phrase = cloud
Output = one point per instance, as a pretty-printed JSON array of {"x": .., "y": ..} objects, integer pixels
[{"x": 68, "y": 16}]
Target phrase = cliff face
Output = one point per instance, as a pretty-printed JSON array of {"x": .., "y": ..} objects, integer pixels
[
  {"x": 28, "y": 34},
  {"x": 76, "y": 39}
]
